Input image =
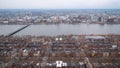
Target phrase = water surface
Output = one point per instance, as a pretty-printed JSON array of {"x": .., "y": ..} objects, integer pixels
[{"x": 52, "y": 30}]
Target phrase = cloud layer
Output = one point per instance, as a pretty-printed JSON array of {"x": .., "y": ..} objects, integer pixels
[{"x": 60, "y": 4}]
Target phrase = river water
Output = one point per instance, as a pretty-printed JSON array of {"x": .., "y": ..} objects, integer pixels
[
  {"x": 6, "y": 29},
  {"x": 61, "y": 29}
]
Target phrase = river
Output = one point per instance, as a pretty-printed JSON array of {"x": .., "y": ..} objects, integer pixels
[{"x": 61, "y": 29}]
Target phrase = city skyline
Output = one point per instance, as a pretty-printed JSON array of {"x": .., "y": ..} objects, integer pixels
[{"x": 59, "y": 4}]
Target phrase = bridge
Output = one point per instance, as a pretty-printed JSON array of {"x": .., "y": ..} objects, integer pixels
[{"x": 11, "y": 34}]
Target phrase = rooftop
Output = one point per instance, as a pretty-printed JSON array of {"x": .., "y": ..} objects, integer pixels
[{"x": 94, "y": 37}]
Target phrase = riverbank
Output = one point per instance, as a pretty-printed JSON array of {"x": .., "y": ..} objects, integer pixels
[{"x": 54, "y": 23}]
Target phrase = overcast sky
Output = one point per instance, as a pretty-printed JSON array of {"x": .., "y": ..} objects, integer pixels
[{"x": 59, "y": 4}]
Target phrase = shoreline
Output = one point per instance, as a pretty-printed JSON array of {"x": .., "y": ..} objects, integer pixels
[
  {"x": 62, "y": 23},
  {"x": 65, "y": 35}
]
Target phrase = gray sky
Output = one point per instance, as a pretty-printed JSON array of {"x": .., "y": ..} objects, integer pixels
[{"x": 60, "y": 4}]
